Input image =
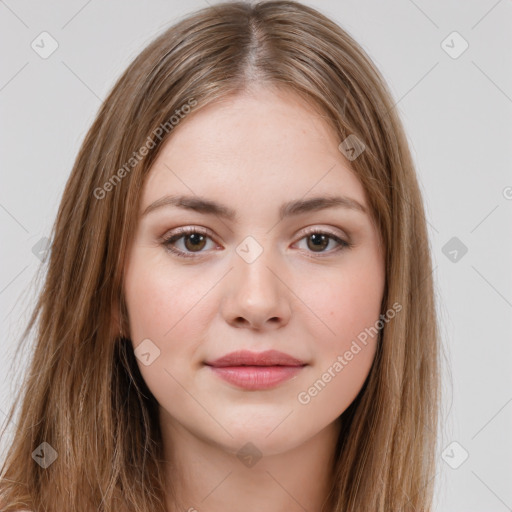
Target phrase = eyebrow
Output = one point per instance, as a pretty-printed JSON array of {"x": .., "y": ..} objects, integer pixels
[{"x": 290, "y": 208}]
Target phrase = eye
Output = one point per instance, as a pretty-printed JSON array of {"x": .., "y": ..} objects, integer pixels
[
  {"x": 318, "y": 240},
  {"x": 194, "y": 240}
]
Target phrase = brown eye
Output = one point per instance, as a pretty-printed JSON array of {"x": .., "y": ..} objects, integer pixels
[
  {"x": 318, "y": 241},
  {"x": 191, "y": 240},
  {"x": 194, "y": 241}
]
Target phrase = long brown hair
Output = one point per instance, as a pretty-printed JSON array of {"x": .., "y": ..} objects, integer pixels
[{"x": 83, "y": 394}]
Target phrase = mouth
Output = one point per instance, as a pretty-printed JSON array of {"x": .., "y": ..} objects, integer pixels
[
  {"x": 256, "y": 371},
  {"x": 248, "y": 358}
]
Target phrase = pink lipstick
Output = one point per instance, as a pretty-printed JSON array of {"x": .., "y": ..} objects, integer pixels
[{"x": 254, "y": 371}]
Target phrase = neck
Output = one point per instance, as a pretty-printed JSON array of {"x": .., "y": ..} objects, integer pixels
[{"x": 206, "y": 476}]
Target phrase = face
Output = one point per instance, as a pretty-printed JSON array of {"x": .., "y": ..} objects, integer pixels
[{"x": 254, "y": 280}]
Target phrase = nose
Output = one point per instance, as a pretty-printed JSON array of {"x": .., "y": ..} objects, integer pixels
[{"x": 256, "y": 295}]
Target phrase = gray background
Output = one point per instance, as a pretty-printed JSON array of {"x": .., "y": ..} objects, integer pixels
[{"x": 457, "y": 114}]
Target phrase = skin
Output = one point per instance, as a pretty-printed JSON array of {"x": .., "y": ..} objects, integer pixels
[{"x": 252, "y": 152}]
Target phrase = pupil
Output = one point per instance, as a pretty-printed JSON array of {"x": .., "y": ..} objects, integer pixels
[
  {"x": 319, "y": 240},
  {"x": 195, "y": 239}
]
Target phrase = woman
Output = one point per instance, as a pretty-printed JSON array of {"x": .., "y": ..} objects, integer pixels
[{"x": 238, "y": 309}]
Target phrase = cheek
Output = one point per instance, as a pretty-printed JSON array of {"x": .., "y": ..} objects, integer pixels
[
  {"x": 163, "y": 305},
  {"x": 346, "y": 301},
  {"x": 161, "y": 300}
]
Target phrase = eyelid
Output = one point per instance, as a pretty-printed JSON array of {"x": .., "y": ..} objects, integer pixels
[
  {"x": 315, "y": 228},
  {"x": 185, "y": 230}
]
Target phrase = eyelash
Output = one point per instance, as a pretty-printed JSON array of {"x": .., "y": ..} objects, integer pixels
[{"x": 168, "y": 241}]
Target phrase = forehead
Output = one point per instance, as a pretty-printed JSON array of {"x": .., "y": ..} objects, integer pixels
[
  {"x": 265, "y": 143},
  {"x": 256, "y": 122}
]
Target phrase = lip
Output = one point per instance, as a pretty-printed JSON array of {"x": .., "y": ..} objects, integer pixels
[
  {"x": 254, "y": 371},
  {"x": 248, "y": 358}
]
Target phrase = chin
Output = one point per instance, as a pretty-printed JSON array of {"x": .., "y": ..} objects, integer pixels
[{"x": 266, "y": 438}]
